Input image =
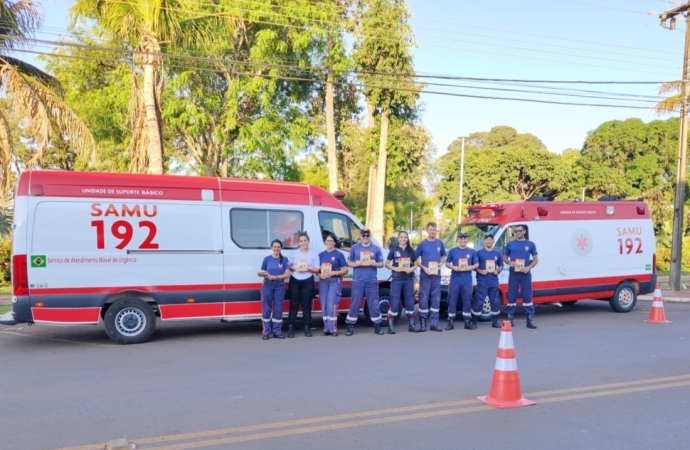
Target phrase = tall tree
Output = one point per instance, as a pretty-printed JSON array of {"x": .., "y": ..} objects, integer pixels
[
  {"x": 97, "y": 88},
  {"x": 33, "y": 94},
  {"x": 147, "y": 28},
  {"x": 382, "y": 53},
  {"x": 500, "y": 165}
]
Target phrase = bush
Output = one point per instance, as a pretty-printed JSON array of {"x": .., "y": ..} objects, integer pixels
[
  {"x": 5, "y": 260},
  {"x": 663, "y": 257}
]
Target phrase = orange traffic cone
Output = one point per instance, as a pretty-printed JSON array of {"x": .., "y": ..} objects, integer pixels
[
  {"x": 505, "y": 387},
  {"x": 657, "y": 314}
]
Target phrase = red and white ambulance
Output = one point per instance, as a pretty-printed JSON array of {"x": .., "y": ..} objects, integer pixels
[
  {"x": 602, "y": 250},
  {"x": 124, "y": 249}
]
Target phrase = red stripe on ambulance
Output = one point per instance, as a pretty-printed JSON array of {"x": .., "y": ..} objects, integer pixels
[{"x": 66, "y": 315}]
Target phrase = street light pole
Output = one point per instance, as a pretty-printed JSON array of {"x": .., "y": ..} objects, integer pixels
[
  {"x": 411, "y": 217},
  {"x": 462, "y": 174},
  {"x": 679, "y": 200}
]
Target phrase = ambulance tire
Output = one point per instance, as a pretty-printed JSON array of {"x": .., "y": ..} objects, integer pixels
[
  {"x": 384, "y": 305},
  {"x": 569, "y": 303},
  {"x": 624, "y": 298},
  {"x": 129, "y": 321}
]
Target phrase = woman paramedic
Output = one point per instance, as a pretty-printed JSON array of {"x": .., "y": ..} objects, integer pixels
[
  {"x": 401, "y": 263},
  {"x": 274, "y": 270},
  {"x": 304, "y": 263},
  {"x": 332, "y": 267}
]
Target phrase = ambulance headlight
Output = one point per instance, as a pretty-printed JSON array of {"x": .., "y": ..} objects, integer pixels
[{"x": 445, "y": 280}]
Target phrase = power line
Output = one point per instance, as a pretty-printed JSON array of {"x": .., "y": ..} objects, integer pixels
[
  {"x": 311, "y": 80},
  {"x": 274, "y": 14},
  {"x": 285, "y": 66}
]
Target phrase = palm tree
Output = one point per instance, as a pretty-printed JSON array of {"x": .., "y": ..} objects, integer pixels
[
  {"x": 147, "y": 27},
  {"x": 672, "y": 103},
  {"x": 32, "y": 93}
]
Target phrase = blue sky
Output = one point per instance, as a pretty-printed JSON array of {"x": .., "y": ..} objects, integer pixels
[{"x": 595, "y": 40}]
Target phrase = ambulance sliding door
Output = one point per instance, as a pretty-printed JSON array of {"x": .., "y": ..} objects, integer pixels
[{"x": 249, "y": 232}]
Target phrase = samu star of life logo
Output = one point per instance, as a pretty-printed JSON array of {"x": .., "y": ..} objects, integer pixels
[{"x": 581, "y": 242}]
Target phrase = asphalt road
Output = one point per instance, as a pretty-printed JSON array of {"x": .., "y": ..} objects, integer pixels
[{"x": 600, "y": 380}]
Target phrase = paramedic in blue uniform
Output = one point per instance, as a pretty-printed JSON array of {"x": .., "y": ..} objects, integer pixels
[
  {"x": 462, "y": 260},
  {"x": 490, "y": 265},
  {"x": 304, "y": 263},
  {"x": 365, "y": 259},
  {"x": 430, "y": 256},
  {"x": 521, "y": 255},
  {"x": 275, "y": 269},
  {"x": 401, "y": 262},
  {"x": 332, "y": 267}
]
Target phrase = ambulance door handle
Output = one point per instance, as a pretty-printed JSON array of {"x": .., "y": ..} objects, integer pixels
[
  {"x": 562, "y": 271},
  {"x": 176, "y": 252}
]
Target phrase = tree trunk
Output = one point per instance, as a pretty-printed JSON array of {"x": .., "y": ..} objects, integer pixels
[
  {"x": 330, "y": 134},
  {"x": 371, "y": 109},
  {"x": 370, "y": 196},
  {"x": 153, "y": 120},
  {"x": 377, "y": 229}
]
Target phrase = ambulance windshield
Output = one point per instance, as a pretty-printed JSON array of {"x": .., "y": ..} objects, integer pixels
[{"x": 475, "y": 234}]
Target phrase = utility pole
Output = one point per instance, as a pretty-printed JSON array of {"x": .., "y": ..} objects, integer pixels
[
  {"x": 679, "y": 200},
  {"x": 462, "y": 175}
]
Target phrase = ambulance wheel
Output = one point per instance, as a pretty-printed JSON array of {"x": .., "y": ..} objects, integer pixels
[
  {"x": 384, "y": 306},
  {"x": 485, "y": 315},
  {"x": 129, "y": 321},
  {"x": 569, "y": 303},
  {"x": 624, "y": 298}
]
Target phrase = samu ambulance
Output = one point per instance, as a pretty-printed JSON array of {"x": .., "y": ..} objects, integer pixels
[
  {"x": 126, "y": 249},
  {"x": 602, "y": 250}
]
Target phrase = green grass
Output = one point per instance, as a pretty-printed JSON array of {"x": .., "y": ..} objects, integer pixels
[
  {"x": 666, "y": 273},
  {"x": 5, "y": 290},
  {"x": 4, "y": 309}
]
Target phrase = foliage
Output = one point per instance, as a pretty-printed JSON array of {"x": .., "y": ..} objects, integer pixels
[
  {"x": 633, "y": 159},
  {"x": 663, "y": 256},
  {"x": 34, "y": 95},
  {"x": 5, "y": 259},
  {"x": 501, "y": 165}
]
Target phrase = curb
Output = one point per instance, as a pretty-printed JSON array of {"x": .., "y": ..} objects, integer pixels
[{"x": 649, "y": 298}]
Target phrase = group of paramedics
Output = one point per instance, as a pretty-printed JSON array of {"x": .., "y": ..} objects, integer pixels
[{"x": 365, "y": 258}]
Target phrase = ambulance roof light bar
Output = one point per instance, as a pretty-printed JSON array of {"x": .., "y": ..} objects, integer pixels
[{"x": 495, "y": 208}]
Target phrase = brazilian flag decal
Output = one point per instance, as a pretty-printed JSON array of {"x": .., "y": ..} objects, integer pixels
[{"x": 38, "y": 260}]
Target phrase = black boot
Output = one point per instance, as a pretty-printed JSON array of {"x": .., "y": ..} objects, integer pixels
[
  {"x": 475, "y": 321},
  {"x": 391, "y": 328},
  {"x": 511, "y": 317},
  {"x": 377, "y": 329},
  {"x": 350, "y": 330},
  {"x": 469, "y": 324},
  {"x": 412, "y": 328},
  {"x": 291, "y": 331},
  {"x": 530, "y": 322},
  {"x": 435, "y": 328},
  {"x": 422, "y": 324},
  {"x": 451, "y": 321},
  {"x": 307, "y": 330},
  {"x": 494, "y": 322}
]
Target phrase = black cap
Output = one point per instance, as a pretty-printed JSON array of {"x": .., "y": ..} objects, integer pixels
[
  {"x": 489, "y": 235},
  {"x": 462, "y": 235},
  {"x": 365, "y": 231}
]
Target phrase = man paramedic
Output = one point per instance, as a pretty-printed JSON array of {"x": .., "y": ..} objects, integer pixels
[
  {"x": 462, "y": 260},
  {"x": 430, "y": 256},
  {"x": 521, "y": 255},
  {"x": 365, "y": 259},
  {"x": 490, "y": 265}
]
